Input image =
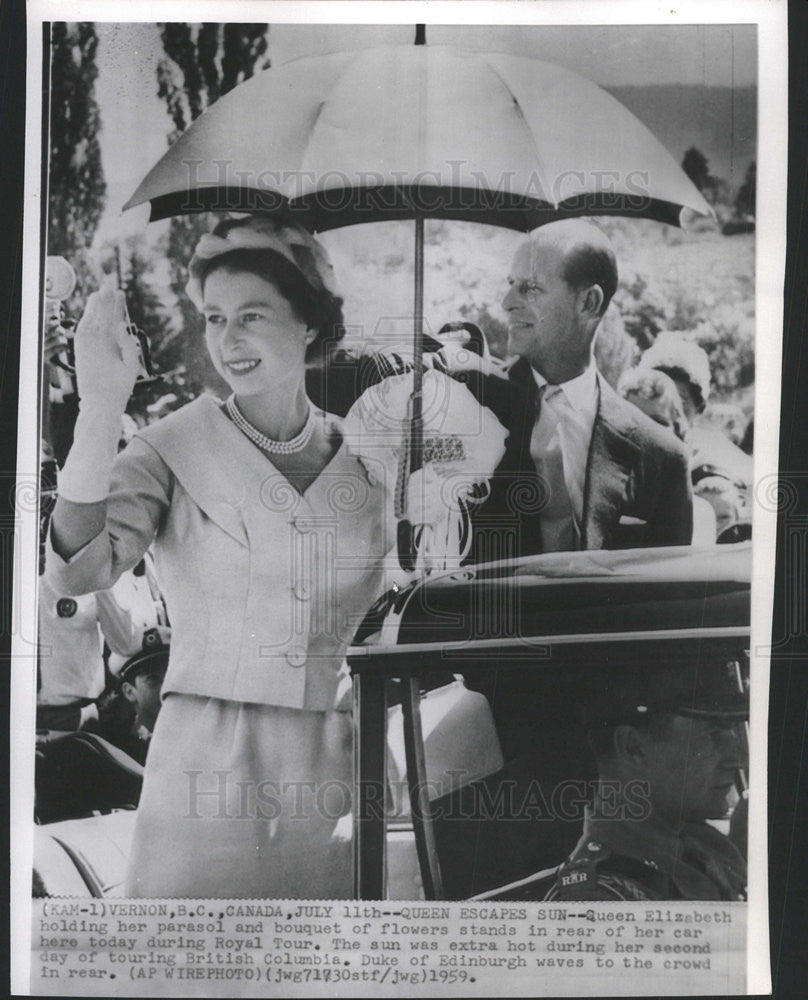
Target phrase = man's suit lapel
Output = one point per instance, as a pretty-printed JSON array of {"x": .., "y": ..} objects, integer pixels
[
  {"x": 524, "y": 401},
  {"x": 612, "y": 458},
  {"x": 524, "y": 493}
]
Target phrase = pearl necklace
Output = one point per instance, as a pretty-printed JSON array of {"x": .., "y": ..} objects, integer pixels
[{"x": 268, "y": 444}]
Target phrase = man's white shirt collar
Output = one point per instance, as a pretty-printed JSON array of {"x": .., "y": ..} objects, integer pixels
[{"x": 579, "y": 391}]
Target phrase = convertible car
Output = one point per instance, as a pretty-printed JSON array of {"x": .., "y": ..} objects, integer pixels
[{"x": 472, "y": 768}]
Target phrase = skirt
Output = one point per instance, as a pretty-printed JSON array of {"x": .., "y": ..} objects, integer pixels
[{"x": 244, "y": 801}]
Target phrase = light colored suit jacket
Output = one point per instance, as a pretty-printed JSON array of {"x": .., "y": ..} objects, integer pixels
[{"x": 265, "y": 587}]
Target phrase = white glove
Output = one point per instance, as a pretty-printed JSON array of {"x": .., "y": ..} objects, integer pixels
[
  {"x": 107, "y": 365},
  {"x": 107, "y": 357}
]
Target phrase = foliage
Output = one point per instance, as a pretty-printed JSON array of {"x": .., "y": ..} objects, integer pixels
[
  {"x": 642, "y": 308},
  {"x": 202, "y": 62},
  {"x": 697, "y": 168},
  {"x": 134, "y": 263},
  {"x": 76, "y": 186},
  {"x": 177, "y": 247},
  {"x": 701, "y": 285},
  {"x": 747, "y": 192},
  {"x": 615, "y": 349},
  {"x": 728, "y": 337}
]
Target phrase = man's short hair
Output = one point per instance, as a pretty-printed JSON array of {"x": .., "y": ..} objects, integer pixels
[
  {"x": 658, "y": 725},
  {"x": 586, "y": 265}
]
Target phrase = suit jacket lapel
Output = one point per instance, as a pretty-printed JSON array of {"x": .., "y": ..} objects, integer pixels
[
  {"x": 524, "y": 401},
  {"x": 612, "y": 458},
  {"x": 225, "y": 474}
]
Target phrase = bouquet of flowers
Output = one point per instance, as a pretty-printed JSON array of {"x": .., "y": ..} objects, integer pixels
[{"x": 463, "y": 444}]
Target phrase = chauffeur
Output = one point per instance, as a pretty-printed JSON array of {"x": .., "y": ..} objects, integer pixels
[{"x": 668, "y": 742}]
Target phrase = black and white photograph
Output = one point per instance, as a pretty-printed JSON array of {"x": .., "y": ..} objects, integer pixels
[{"x": 395, "y": 593}]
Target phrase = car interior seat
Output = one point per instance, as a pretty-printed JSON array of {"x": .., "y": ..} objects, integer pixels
[{"x": 78, "y": 774}]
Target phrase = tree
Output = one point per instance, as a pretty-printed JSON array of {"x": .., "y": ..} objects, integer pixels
[
  {"x": 202, "y": 63},
  {"x": 697, "y": 168},
  {"x": 716, "y": 190},
  {"x": 76, "y": 186},
  {"x": 642, "y": 308},
  {"x": 747, "y": 192},
  {"x": 76, "y": 195},
  {"x": 135, "y": 265}
]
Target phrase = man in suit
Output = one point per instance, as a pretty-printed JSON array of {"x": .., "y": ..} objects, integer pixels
[
  {"x": 669, "y": 740},
  {"x": 583, "y": 468}
]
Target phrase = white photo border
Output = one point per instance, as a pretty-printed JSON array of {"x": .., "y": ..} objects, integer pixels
[{"x": 770, "y": 262}]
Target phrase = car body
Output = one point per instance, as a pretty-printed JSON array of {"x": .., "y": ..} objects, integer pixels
[{"x": 482, "y": 667}]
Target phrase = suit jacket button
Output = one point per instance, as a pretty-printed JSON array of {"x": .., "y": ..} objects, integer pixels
[{"x": 296, "y": 656}]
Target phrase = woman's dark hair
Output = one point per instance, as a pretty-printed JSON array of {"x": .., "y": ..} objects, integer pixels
[{"x": 319, "y": 310}]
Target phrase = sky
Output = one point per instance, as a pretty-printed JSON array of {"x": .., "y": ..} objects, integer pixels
[
  {"x": 710, "y": 55},
  {"x": 608, "y": 55}
]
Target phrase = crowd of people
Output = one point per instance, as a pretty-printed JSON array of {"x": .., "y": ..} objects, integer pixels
[{"x": 196, "y": 602}]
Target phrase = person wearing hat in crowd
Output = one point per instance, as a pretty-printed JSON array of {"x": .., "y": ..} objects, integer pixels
[
  {"x": 263, "y": 583},
  {"x": 686, "y": 364},
  {"x": 72, "y": 631},
  {"x": 669, "y": 741},
  {"x": 721, "y": 472},
  {"x": 655, "y": 393},
  {"x": 140, "y": 681}
]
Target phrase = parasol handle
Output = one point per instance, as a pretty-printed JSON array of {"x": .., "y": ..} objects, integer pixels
[
  {"x": 417, "y": 419},
  {"x": 407, "y": 548}
]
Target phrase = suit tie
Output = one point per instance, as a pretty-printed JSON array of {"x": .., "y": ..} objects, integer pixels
[{"x": 558, "y": 529}]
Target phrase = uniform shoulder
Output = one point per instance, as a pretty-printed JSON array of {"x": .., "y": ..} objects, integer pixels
[
  {"x": 595, "y": 872},
  {"x": 533, "y": 888}
]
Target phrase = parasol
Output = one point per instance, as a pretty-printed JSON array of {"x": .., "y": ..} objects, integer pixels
[{"x": 406, "y": 131}]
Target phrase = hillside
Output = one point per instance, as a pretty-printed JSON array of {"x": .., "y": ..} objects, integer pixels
[{"x": 719, "y": 121}]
